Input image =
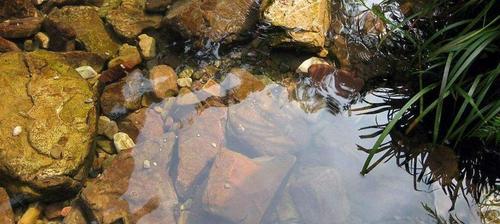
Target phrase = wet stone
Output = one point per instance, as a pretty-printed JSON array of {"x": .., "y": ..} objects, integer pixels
[
  {"x": 17, "y": 9},
  {"x": 129, "y": 193},
  {"x": 242, "y": 83},
  {"x": 184, "y": 82},
  {"x": 283, "y": 127},
  {"x": 164, "y": 81},
  {"x": 79, "y": 59},
  {"x": 128, "y": 56},
  {"x": 107, "y": 127},
  {"x": 87, "y": 72},
  {"x": 241, "y": 189},
  {"x": 7, "y": 45},
  {"x": 300, "y": 28},
  {"x": 42, "y": 161},
  {"x": 147, "y": 45},
  {"x": 129, "y": 22},
  {"x": 20, "y": 28},
  {"x": 218, "y": 20},
  {"x": 124, "y": 96},
  {"x": 199, "y": 142},
  {"x": 319, "y": 196},
  {"x": 75, "y": 216},
  {"x": 157, "y": 5},
  {"x": 42, "y": 39},
  {"x": 6, "y": 213},
  {"x": 87, "y": 27},
  {"x": 142, "y": 124},
  {"x": 122, "y": 141}
]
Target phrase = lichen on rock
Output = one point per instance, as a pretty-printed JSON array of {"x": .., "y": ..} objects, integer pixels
[{"x": 48, "y": 99}]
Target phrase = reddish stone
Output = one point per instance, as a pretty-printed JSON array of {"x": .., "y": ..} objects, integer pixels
[
  {"x": 164, "y": 81},
  {"x": 20, "y": 28},
  {"x": 6, "y": 214},
  {"x": 199, "y": 142},
  {"x": 144, "y": 123},
  {"x": 131, "y": 193},
  {"x": 241, "y": 189},
  {"x": 242, "y": 83},
  {"x": 6, "y": 45}
]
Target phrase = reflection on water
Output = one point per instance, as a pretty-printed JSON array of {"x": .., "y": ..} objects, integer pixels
[{"x": 276, "y": 154}]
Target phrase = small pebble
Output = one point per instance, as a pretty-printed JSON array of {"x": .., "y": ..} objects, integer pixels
[
  {"x": 17, "y": 130},
  {"x": 214, "y": 145},
  {"x": 122, "y": 141},
  {"x": 184, "y": 82},
  {"x": 86, "y": 72},
  {"x": 147, "y": 164}
]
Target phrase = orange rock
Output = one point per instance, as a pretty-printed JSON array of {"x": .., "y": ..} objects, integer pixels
[
  {"x": 240, "y": 189},
  {"x": 242, "y": 83},
  {"x": 164, "y": 80}
]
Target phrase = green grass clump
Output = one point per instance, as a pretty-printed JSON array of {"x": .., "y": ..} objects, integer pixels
[{"x": 458, "y": 69}]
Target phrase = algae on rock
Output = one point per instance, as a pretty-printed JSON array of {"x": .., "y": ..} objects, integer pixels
[{"x": 48, "y": 99}]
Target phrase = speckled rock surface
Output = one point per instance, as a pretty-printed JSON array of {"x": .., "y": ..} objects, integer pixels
[
  {"x": 49, "y": 100},
  {"x": 214, "y": 20},
  {"x": 89, "y": 28},
  {"x": 305, "y": 23}
]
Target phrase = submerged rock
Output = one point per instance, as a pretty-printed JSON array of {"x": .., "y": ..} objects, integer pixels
[
  {"x": 199, "y": 142},
  {"x": 282, "y": 127},
  {"x": 242, "y": 83},
  {"x": 305, "y": 23},
  {"x": 241, "y": 189},
  {"x": 6, "y": 213},
  {"x": 216, "y": 20},
  {"x": 164, "y": 80},
  {"x": 48, "y": 100},
  {"x": 124, "y": 96},
  {"x": 319, "y": 195},
  {"x": 88, "y": 28},
  {"x": 128, "y": 56},
  {"x": 128, "y": 193},
  {"x": 142, "y": 124}
]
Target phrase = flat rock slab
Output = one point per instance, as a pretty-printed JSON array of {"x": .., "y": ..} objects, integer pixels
[
  {"x": 20, "y": 28},
  {"x": 199, "y": 142},
  {"x": 128, "y": 23},
  {"x": 241, "y": 189},
  {"x": 47, "y": 127},
  {"x": 267, "y": 123},
  {"x": 305, "y": 22},
  {"x": 215, "y": 20},
  {"x": 88, "y": 27}
]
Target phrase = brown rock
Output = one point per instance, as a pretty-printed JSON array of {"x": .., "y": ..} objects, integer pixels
[
  {"x": 199, "y": 142},
  {"x": 88, "y": 27},
  {"x": 157, "y": 5},
  {"x": 53, "y": 210},
  {"x": 75, "y": 216},
  {"x": 119, "y": 98},
  {"x": 6, "y": 214},
  {"x": 6, "y": 45},
  {"x": 216, "y": 20},
  {"x": 17, "y": 9},
  {"x": 20, "y": 28},
  {"x": 128, "y": 192},
  {"x": 241, "y": 189},
  {"x": 142, "y": 124},
  {"x": 164, "y": 80},
  {"x": 81, "y": 58},
  {"x": 62, "y": 36},
  {"x": 129, "y": 22},
  {"x": 242, "y": 83},
  {"x": 128, "y": 56}
]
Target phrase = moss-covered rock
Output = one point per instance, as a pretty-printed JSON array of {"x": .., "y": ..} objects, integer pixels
[
  {"x": 52, "y": 106},
  {"x": 88, "y": 26}
]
